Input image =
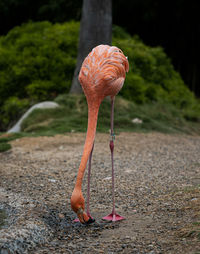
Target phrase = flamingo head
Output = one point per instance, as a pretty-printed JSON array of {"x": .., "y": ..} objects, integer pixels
[{"x": 78, "y": 206}]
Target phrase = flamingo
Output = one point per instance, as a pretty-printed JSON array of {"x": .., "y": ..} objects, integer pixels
[{"x": 102, "y": 74}]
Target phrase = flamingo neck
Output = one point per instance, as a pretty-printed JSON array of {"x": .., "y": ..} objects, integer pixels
[{"x": 93, "y": 109}]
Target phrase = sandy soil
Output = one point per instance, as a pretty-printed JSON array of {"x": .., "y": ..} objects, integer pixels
[{"x": 157, "y": 190}]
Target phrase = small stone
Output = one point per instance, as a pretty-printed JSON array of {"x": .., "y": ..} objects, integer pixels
[
  {"x": 194, "y": 199},
  {"x": 52, "y": 180},
  {"x": 61, "y": 215},
  {"x": 137, "y": 121},
  {"x": 107, "y": 178}
]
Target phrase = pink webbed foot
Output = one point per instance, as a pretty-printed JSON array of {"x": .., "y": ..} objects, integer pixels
[
  {"x": 76, "y": 220},
  {"x": 113, "y": 217}
]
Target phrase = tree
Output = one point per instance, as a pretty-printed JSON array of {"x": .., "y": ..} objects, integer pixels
[{"x": 95, "y": 29}]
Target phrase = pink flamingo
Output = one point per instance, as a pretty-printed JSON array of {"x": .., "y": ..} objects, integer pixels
[{"x": 102, "y": 74}]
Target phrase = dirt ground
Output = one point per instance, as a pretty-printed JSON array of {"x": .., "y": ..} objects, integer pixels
[{"x": 157, "y": 190}]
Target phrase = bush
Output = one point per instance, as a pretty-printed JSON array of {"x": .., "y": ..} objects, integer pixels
[
  {"x": 37, "y": 62},
  {"x": 4, "y": 147},
  {"x": 40, "y": 90},
  {"x": 152, "y": 76},
  {"x": 12, "y": 109}
]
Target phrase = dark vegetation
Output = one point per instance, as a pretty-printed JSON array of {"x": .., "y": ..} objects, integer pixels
[
  {"x": 5, "y": 138},
  {"x": 172, "y": 24},
  {"x": 37, "y": 61}
]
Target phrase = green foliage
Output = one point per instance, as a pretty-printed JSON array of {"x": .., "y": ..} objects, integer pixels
[
  {"x": 119, "y": 33},
  {"x": 10, "y": 137},
  {"x": 13, "y": 108},
  {"x": 37, "y": 62},
  {"x": 4, "y": 147},
  {"x": 152, "y": 76},
  {"x": 40, "y": 90},
  {"x": 4, "y": 139}
]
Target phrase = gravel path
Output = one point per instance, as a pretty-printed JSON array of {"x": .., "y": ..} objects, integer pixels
[{"x": 157, "y": 190}]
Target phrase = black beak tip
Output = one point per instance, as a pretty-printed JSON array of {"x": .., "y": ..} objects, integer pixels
[{"x": 90, "y": 221}]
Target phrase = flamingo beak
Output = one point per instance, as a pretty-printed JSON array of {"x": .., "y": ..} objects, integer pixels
[{"x": 83, "y": 217}]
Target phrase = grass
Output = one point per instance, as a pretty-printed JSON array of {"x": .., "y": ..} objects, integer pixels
[
  {"x": 71, "y": 116},
  {"x": 4, "y": 147},
  {"x": 5, "y": 138}
]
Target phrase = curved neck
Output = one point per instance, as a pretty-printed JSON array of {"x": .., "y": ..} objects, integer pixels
[{"x": 93, "y": 109}]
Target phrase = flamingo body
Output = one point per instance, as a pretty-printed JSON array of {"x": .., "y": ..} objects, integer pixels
[{"x": 102, "y": 74}]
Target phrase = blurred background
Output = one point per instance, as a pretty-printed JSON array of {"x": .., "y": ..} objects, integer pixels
[{"x": 38, "y": 56}]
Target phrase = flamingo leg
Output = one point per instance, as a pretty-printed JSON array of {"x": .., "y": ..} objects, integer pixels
[
  {"x": 88, "y": 187},
  {"x": 113, "y": 216}
]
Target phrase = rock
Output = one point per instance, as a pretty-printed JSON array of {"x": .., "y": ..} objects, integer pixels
[
  {"x": 61, "y": 215},
  {"x": 137, "y": 121},
  {"x": 52, "y": 180},
  {"x": 42, "y": 105}
]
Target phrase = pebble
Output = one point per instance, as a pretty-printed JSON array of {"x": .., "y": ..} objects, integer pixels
[{"x": 150, "y": 191}]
